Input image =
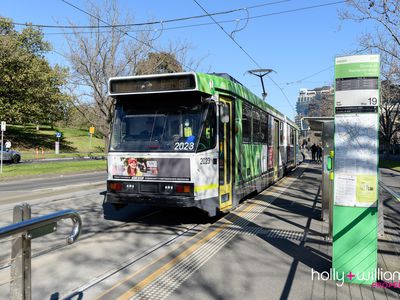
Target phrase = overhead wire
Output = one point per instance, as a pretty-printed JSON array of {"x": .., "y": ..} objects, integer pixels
[
  {"x": 188, "y": 26},
  {"x": 247, "y": 54},
  {"x": 176, "y": 27},
  {"x": 309, "y": 76},
  {"x": 122, "y": 31},
  {"x": 148, "y": 23},
  {"x": 355, "y": 52}
]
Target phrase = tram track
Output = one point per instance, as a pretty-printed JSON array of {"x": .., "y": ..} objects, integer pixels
[{"x": 130, "y": 261}]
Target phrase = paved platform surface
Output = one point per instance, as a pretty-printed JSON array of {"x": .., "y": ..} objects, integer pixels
[{"x": 267, "y": 249}]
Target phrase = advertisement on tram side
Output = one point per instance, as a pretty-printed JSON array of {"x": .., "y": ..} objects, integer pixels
[{"x": 140, "y": 168}]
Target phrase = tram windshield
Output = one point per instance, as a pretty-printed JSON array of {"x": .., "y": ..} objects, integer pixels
[{"x": 163, "y": 123}]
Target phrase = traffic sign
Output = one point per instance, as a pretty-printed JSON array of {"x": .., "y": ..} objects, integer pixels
[
  {"x": 91, "y": 130},
  {"x": 3, "y": 126},
  {"x": 58, "y": 134}
]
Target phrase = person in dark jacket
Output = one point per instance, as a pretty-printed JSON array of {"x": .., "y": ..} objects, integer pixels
[
  {"x": 313, "y": 151},
  {"x": 319, "y": 153}
]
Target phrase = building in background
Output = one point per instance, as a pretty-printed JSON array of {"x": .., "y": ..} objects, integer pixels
[{"x": 317, "y": 102}]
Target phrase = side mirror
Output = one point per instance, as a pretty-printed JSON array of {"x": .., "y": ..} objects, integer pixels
[{"x": 224, "y": 113}]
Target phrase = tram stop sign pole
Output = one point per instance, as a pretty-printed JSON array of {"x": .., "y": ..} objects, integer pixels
[{"x": 355, "y": 210}]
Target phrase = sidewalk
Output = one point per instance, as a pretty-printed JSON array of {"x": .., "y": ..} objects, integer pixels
[
  {"x": 268, "y": 248},
  {"x": 275, "y": 251}
]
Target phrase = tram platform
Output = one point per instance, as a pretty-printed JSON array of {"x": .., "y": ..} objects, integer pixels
[{"x": 272, "y": 247}]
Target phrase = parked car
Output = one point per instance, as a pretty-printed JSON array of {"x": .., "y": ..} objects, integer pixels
[{"x": 10, "y": 155}]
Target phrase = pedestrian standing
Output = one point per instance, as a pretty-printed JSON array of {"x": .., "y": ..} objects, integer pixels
[
  {"x": 313, "y": 151},
  {"x": 319, "y": 153}
]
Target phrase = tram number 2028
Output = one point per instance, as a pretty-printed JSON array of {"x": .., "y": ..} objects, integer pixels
[{"x": 183, "y": 146}]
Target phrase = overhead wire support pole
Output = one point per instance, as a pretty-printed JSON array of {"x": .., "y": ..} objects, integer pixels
[{"x": 244, "y": 51}]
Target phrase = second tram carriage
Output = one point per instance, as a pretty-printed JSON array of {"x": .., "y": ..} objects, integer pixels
[{"x": 194, "y": 140}]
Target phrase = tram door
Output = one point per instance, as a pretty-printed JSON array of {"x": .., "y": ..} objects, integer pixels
[
  {"x": 276, "y": 149},
  {"x": 225, "y": 154}
]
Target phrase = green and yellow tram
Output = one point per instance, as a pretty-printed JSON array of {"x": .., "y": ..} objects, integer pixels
[{"x": 194, "y": 140}]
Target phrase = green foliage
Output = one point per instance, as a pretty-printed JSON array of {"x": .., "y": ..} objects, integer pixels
[{"x": 30, "y": 89}]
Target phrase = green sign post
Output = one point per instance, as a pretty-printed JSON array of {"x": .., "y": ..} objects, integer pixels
[{"x": 355, "y": 209}]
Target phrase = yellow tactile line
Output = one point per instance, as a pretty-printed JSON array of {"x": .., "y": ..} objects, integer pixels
[
  {"x": 138, "y": 287},
  {"x": 176, "y": 259}
]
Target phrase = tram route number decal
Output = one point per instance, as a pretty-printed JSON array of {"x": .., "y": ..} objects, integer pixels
[
  {"x": 183, "y": 146},
  {"x": 205, "y": 160}
]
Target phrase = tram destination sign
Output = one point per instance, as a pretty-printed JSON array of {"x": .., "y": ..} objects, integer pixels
[
  {"x": 357, "y": 84},
  {"x": 151, "y": 84}
]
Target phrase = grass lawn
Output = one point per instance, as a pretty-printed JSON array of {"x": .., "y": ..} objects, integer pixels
[
  {"x": 50, "y": 154},
  {"x": 26, "y": 139},
  {"x": 16, "y": 170},
  {"x": 390, "y": 164}
]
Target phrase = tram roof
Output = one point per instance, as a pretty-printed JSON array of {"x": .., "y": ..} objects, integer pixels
[{"x": 234, "y": 87}]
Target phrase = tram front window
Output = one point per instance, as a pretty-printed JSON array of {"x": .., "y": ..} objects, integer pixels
[{"x": 173, "y": 124}]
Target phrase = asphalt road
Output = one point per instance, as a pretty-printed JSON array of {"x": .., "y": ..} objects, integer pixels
[{"x": 27, "y": 189}]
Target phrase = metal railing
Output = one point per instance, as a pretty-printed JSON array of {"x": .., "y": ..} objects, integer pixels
[
  {"x": 384, "y": 188},
  {"x": 390, "y": 191},
  {"x": 27, "y": 229}
]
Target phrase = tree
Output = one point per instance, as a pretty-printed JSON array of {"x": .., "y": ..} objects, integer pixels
[
  {"x": 161, "y": 62},
  {"x": 30, "y": 89},
  {"x": 385, "y": 39},
  {"x": 112, "y": 52},
  {"x": 389, "y": 114},
  {"x": 321, "y": 105}
]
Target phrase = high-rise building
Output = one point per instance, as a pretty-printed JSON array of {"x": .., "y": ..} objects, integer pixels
[{"x": 314, "y": 103}]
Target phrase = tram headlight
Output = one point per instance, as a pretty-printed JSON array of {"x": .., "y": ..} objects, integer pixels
[{"x": 168, "y": 188}]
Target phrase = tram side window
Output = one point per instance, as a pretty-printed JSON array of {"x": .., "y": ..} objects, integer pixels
[
  {"x": 292, "y": 133},
  {"x": 280, "y": 133},
  {"x": 270, "y": 130},
  {"x": 257, "y": 134},
  {"x": 246, "y": 124},
  {"x": 264, "y": 128},
  {"x": 208, "y": 134}
]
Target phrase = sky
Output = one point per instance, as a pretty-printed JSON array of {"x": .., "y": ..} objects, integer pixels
[{"x": 300, "y": 46}]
